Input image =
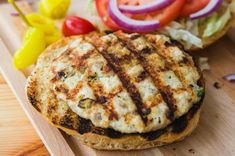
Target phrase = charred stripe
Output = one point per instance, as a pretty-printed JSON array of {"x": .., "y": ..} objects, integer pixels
[
  {"x": 135, "y": 95},
  {"x": 168, "y": 98}
]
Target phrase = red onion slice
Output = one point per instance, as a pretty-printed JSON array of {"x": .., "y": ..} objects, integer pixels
[
  {"x": 230, "y": 77},
  {"x": 211, "y": 7},
  {"x": 128, "y": 23},
  {"x": 156, "y": 5}
]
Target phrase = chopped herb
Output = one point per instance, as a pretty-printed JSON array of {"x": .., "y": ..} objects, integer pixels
[
  {"x": 200, "y": 92},
  {"x": 86, "y": 103},
  {"x": 92, "y": 77},
  {"x": 81, "y": 97}
]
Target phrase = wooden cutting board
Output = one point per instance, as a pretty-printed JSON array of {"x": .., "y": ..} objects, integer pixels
[{"x": 216, "y": 130}]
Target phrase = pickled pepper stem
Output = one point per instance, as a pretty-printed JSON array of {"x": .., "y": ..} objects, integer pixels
[{"x": 19, "y": 11}]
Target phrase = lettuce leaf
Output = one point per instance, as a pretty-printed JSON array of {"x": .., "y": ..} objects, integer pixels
[
  {"x": 91, "y": 7},
  {"x": 178, "y": 32},
  {"x": 216, "y": 23},
  {"x": 185, "y": 37}
]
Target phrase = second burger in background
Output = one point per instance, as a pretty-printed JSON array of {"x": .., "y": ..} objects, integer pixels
[{"x": 195, "y": 24}]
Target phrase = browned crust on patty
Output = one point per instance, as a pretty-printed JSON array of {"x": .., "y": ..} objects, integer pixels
[{"x": 132, "y": 142}]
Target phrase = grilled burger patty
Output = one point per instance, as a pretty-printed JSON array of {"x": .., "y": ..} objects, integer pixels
[{"x": 117, "y": 85}]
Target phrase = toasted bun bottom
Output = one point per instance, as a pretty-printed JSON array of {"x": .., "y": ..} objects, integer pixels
[{"x": 133, "y": 142}]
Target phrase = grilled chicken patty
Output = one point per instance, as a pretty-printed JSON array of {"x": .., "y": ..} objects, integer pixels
[{"x": 122, "y": 83}]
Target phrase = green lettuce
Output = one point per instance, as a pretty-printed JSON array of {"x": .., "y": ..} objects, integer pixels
[
  {"x": 216, "y": 23},
  {"x": 179, "y": 32}
]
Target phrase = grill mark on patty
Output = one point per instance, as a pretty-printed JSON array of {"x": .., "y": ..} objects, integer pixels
[
  {"x": 123, "y": 59},
  {"x": 98, "y": 92},
  {"x": 172, "y": 64},
  {"x": 168, "y": 96},
  {"x": 52, "y": 104},
  {"x": 141, "y": 55},
  {"x": 101, "y": 97},
  {"x": 115, "y": 64},
  {"x": 65, "y": 53},
  {"x": 73, "y": 92},
  {"x": 126, "y": 82},
  {"x": 174, "y": 43},
  {"x": 169, "y": 64},
  {"x": 112, "y": 114},
  {"x": 80, "y": 61},
  {"x": 143, "y": 75}
]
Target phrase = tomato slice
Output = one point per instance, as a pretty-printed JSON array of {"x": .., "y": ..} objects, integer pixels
[
  {"x": 134, "y": 2},
  {"x": 102, "y": 9},
  {"x": 172, "y": 12},
  {"x": 193, "y": 6},
  {"x": 165, "y": 16}
]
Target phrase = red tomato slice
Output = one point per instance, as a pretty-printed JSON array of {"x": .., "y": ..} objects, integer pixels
[
  {"x": 165, "y": 16},
  {"x": 134, "y": 2},
  {"x": 102, "y": 9},
  {"x": 170, "y": 13},
  {"x": 193, "y": 6}
]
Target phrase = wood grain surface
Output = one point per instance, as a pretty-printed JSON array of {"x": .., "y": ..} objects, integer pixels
[
  {"x": 17, "y": 135},
  {"x": 214, "y": 135}
]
